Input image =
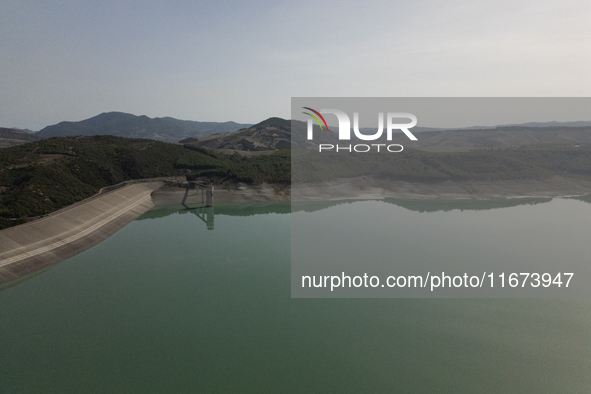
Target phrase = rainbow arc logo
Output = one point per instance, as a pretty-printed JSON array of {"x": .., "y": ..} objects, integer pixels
[{"x": 315, "y": 118}]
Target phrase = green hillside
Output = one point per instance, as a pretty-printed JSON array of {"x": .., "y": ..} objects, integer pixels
[{"x": 41, "y": 177}]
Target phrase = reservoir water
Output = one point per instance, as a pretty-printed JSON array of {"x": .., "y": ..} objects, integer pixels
[{"x": 180, "y": 301}]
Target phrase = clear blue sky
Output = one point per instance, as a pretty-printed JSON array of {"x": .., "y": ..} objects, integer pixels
[{"x": 242, "y": 61}]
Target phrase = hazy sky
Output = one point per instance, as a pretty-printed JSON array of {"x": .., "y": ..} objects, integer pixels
[{"x": 243, "y": 61}]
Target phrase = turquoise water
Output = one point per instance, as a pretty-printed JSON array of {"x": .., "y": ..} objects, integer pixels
[
  {"x": 477, "y": 238},
  {"x": 168, "y": 306}
]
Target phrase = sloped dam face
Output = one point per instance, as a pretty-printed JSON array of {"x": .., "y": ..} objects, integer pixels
[{"x": 42, "y": 243}]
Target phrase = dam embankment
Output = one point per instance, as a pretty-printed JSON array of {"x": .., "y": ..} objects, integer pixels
[{"x": 30, "y": 247}]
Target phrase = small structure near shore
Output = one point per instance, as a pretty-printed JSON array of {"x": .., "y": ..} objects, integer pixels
[
  {"x": 205, "y": 211},
  {"x": 206, "y": 190}
]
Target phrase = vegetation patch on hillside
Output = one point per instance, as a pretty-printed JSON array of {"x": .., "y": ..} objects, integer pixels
[{"x": 44, "y": 176}]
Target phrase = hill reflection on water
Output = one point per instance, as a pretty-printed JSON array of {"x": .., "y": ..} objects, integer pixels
[{"x": 207, "y": 215}]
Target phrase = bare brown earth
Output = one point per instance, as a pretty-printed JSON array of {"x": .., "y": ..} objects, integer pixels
[
  {"x": 39, "y": 244},
  {"x": 12, "y": 137}
]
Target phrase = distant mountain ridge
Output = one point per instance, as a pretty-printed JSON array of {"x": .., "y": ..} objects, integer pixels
[
  {"x": 500, "y": 137},
  {"x": 13, "y": 137},
  {"x": 276, "y": 133},
  {"x": 122, "y": 124},
  {"x": 420, "y": 129},
  {"x": 580, "y": 123},
  {"x": 28, "y": 131}
]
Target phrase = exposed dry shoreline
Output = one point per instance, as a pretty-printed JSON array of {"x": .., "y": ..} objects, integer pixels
[{"x": 369, "y": 188}]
